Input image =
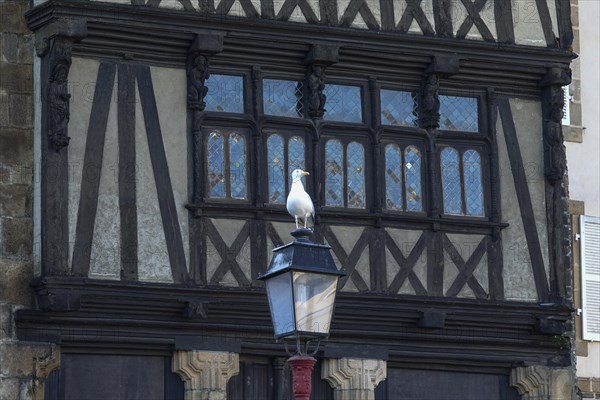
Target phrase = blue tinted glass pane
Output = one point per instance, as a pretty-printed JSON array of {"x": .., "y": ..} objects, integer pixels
[
  {"x": 355, "y": 159},
  {"x": 295, "y": 154},
  {"x": 398, "y": 108},
  {"x": 282, "y": 98},
  {"x": 459, "y": 113},
  {"x": 343, "y": 103},
  {"x": 473, "y": 184},
  {"x": 451, "y": 182},
  {"x": 412, "y": 168},
  {"x": 334, "y": 174},
  {"x": 216, "y": 165},
  {"x": 393, "y": 177},
  {"x": 276, "y": 169},
  {"x": 237, "y": 166},
  {"x": 225, "y": 93}
]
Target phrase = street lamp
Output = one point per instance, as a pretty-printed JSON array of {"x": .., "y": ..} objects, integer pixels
[{"x": 301, "y": 286}]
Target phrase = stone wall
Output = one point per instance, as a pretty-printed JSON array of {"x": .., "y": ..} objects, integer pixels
[{"x": 21, "y": 364}]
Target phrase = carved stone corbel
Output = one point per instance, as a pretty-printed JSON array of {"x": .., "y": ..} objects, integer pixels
[
  {"x": 42, "y": 368},
  {"x": 542, "y": 383},
  {"x": 429, "y": 103},
  {"x": 54, "y": 44},
  {"x": 318, "y": 59},
  {"x": 205, "y": 373},
  {"x": 353, "y": 378}
]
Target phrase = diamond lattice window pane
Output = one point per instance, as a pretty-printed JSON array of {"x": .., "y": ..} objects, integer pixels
[
  {"x": 473, "y": 183},
  {"x": 459, "y": 113},
  {"x": 295, "y": 154},
  {"x": 225, "y": 93},
  {"x": 216, "y": 165},
  {"x": 451, "y": 182},
  {"x": 355, "y": 159},
  {"x": 343, "y": 103},
  {"x": 237, "y": 166},
  {"x": 412, "y": 168},
  {"x": 334, "y": 174},
  {"x": 276, "y": 169},
  {"x": 282, "y": 98},
  {"x": 393, "y": 177},
  {"x": 398, "y": 108}
]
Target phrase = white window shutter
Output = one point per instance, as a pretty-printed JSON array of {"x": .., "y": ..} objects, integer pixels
[
  {"x": 590, "y": 276},
  {"x": 567, "y": 107}
]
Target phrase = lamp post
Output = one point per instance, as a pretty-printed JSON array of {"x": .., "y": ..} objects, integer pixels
[{"x": 301, "y": 286}]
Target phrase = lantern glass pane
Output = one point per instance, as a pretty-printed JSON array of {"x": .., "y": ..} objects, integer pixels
[
  {"x": 279, "y": 292},
  {"x": 314, "y": 295}
]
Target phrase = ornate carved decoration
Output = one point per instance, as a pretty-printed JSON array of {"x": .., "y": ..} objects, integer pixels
[
  {"x": 531, "y": 382},
  {"x": 301, "y": 367},
  {"x": 43, "y": 366},
  {"x": 430, "y": 102},
  {"x": 319, "y": 57},
  {"x": 205, "y": 373},
  {"x": 197, "y": 67},
  {"x": 354, "y": 378}
]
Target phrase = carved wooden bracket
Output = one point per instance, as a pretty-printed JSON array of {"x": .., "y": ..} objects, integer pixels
[
  {"x": 205, "y": 373},
  {"x": 442, "y": 65},
  {"x": 354, "y": 378},
  {"x": 205, "y": 44},
  {"x": 54, "y": 43},
  {"x": 318, "y": 59}
]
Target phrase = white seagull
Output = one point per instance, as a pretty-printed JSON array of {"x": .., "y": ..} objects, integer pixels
[{"x": 299, "y": 203}]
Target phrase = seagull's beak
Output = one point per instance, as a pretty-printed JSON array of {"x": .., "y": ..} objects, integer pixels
[{"x": 304, "y": 173}]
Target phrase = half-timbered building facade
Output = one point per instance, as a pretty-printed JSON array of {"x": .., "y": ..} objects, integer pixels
[{"x": 166, "y": 133}]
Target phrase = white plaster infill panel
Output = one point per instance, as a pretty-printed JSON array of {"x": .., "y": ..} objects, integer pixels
[
  {"x": 170, "y": 86},
  {"x": 465, "y": 245},
  {"x": 82, "y": 84},
  {"x": 405, "y": 240},
  {"x": 426, "y": 6},
  {"x": 153, "y": 257},
  {"x": 527, "y": 115},
  {"x": 105, "y": 260},
  {"x": 519, "y": 284},
  {"x": 527, "y": 23}
]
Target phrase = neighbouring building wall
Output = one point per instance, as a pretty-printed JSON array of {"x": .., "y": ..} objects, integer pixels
[
  {"x": 583, "y": 150},
  {"x": 21, "y": 363}
]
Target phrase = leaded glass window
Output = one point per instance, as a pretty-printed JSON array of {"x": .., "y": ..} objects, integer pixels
[
  {"x": 344, "y": 103},
  {"x": 282, "y": 98},
  {"x": 459, "y": 113},
  {"x": 398, "y": 108},
  {"x": 226, "y": 155},
  {"x": 355, "y": 166},
  {"x": 403, "y": 178},
  {"x": 462, "y": 182},
  {"x": 276, "y": 152},
  {"x": 472, "y": 183},
  {"x": 345, "y": 181},
  {"x": 334, "y": 174},
  {"x": 225, "y": 93}
]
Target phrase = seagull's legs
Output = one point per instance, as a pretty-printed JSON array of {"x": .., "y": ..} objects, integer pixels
[
  {"x": 305, "y": 220},
  {"x": 296, "y": 217}
]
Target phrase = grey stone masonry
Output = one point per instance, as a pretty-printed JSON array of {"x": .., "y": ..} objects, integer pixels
[{"x": 23, "y": 366}]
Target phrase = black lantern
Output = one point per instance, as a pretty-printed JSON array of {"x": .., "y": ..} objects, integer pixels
[{"x": 301, "y": 286}]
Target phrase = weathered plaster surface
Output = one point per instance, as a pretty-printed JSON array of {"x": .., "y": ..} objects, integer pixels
[
  {"x": 528, "y": 121},
  {"x": 348, "y": 237},
  {"x": 170, "y": 88},
  {"x": 465, "y": 245},
  {"x": 105, "y": 261},
  {"x": 82, "y": 77},
  {"x": 405, "y": 240},
  {"x": 153, "y": 257},
  {"x": 519, "y": 284}
]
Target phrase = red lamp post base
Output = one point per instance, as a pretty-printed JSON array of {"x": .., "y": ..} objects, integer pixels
[{"x": 302, "y": 367}]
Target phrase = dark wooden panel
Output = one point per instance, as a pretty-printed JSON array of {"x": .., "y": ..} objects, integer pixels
[
  {"x": 112, "y": 377},
  {"x": 404, "y": 384},
  {"x": 90, "y": 182},
  {"x": 127, "y": 173}
]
